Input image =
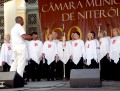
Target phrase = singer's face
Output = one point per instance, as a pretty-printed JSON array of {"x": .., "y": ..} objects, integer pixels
[
  {"x": 54, "y": 35},
  {"x": 101, "y": 35},
  {"x": 115, "y": 32},
  {"x": 89, "y": 36},
  {"x": 21, "y": 21},
  {"x": 7, "y": 38},
  {"x": 50, "y": 37},
  {"x": 35, "y": 36},
  {"x": 72, "y": 36},
  {"x": 76, "y": 36}
]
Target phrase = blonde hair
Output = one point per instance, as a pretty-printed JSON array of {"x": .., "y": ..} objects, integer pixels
[
  {"x": 54, "y": 33},
  {"x": 89, "y": 33},
  {"x": 6, "y": 36}
]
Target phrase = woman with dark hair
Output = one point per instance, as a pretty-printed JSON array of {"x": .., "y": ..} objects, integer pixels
[
  {"x": 35, "y": 54},
  {"x": 97, "y": 48},
  {"x": 78, "y": 51}
]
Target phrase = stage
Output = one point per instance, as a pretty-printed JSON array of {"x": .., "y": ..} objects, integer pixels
[{"x": 64, "y": 86}]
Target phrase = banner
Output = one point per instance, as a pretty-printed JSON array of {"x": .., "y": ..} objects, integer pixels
[{"x": 78, "y": 15}]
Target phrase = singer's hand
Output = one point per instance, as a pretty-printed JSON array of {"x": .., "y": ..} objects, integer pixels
[
  {"x": 57, "y": 58},
  {"x": 3, "y": 63},
  {"x": 71, "y": 57},
  {"x": 41, "y": 57},
  {"x": 108, "y": 57}
]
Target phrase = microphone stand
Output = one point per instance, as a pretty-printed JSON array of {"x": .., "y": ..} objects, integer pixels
[
  {"x": 63, "y": 42},
  {"x": 99, "y": 48}
]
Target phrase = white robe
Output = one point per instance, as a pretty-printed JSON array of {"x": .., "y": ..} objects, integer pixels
[
  {"x": 98, "y": 49},
  {"x": 50, "y": 51},
  {"x": 64, "y": 55},
  {"x": 90, "y": 51},
  {"x": 35, "y": 50},
  {"x": 71, "y": 41},
  {"x": 108, "y": 38},
  {"x": 104, "y": 47},
  {"x": 115, "y": 49},
  {"x": 27, "y": 49},
  {"x": 56, "y": 41},
  {"x": 78, "y": 50},
  {"x": 6, "y": 54}
]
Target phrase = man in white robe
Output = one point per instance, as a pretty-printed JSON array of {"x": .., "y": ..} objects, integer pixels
[{"x": 18, "y": 37}]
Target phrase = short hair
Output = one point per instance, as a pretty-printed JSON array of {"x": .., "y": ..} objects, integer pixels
[
  {"x": 93, "y": 33},
  {"x": 17, "y": 19},
  {"x": 77, "y": 33},
  {"x": 34, "y": 33},
  {"x": 89, "y": 33},
  {"x": 104, "y": 33}
]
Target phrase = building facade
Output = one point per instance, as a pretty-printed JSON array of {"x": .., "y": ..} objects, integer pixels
[{"x": 9, "y": 10}]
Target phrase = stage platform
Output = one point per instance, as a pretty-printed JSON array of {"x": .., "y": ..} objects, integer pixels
[{"x": 64, "y": 86}]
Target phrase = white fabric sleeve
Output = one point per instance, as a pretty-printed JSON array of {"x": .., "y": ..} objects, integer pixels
[
  {"x": 55, "y": 48},
  {"x": 110, "y": 48},
  {"x": 41, "y": 49},
  {"x": 44, "y": 48},
  {"x": 2, "y": 54},
  {"x": 83, "y": 49},
  {"x": 69, "y": 48},
  {"x": 94, "y": 50},
  {"x": 84, "y": 56},
  {"x": 22, "y": 31},
  {"x": 107, "y": 46}
]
